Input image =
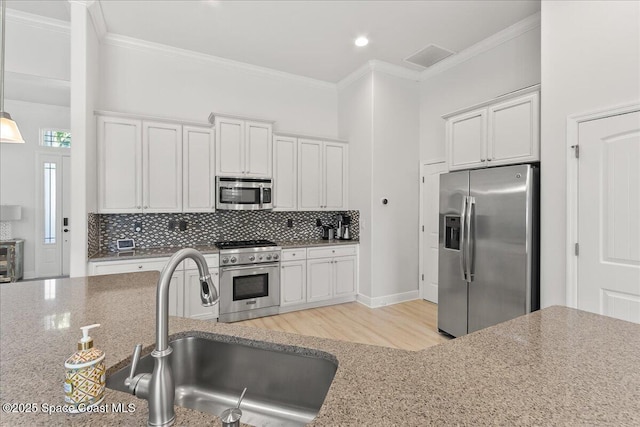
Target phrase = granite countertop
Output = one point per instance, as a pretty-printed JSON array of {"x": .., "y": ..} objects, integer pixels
[
  {"x": 206, "y": 249},
  {"x": 558, "y": 366}
]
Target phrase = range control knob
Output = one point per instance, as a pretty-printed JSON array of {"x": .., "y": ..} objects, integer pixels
[
  {"x": 233, "y": 259},
  {"x": 225, "y": 260},
  {"x": 268, "y": 257},
  {"x": 252, "y": 258},
  {"x": 275, "y": 256}
]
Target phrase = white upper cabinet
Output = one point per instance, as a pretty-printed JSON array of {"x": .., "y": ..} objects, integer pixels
[
  {"x": 258, "y": 152},
  {"x": 198, "y": 176},
  {"x": 322, "y": 175},
  {"x": 467, "y": 140},
  {"x": 335, "y": 176},
  {"x": 119, "y": 165},
  {"x": 243, "y": 148},
  {"x": 154, "y": 166},
  {"x": 285, "y": 173},
  {"x": 309, "y": 175},
  {"x": 514, "y": 131},
  {"x": 161, "y": 167},
  {"x": 498, "y": 132}
]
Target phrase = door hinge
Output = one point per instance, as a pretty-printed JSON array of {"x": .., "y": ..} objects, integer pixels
[
  {"x": 423, "y": 228},
  {"x": 423, "y": 277},
  {"x": 576, "y": 150},
  {"x": 423, "y": 179},
  {"x": 576, "y": 249}
]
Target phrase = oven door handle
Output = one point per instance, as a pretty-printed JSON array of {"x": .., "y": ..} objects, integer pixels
[{"x": 248, "y": 267}]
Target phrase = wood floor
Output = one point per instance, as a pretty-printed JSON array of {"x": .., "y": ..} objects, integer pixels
[{"x": 410, "y": 325}]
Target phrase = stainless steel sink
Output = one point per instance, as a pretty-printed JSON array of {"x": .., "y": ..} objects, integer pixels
[{"x": 284, "y": 387}]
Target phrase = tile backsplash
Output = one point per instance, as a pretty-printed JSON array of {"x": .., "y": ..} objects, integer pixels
[{"x": 207, "y": 228}]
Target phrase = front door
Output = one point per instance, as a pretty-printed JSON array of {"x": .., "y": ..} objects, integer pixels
[
  {"x": 53, "y": 226},
  {"x": 609, "y": 216}
]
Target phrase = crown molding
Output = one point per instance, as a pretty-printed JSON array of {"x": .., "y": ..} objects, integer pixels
[
  {"x": 382, "y": 67},
  {"x": 97, "y": 17},
  {"x": 356, "y": 75},
  {"x": 143, "y": 45},
  {"x": 37, "y": 21},
  {"x": 394, "y": 70},
  {"x": 527, "y": 24}
]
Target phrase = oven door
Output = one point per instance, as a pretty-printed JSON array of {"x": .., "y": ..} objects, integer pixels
[
  {"x": 243, "y": 193},
  {"x": 250, "y": 287}
]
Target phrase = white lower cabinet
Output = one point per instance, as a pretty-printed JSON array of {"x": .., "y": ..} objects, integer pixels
[
  {"x": 192, "y": 304},
  {"x": 184, "y": 291},
  {"x": 293, "y": 281},
  {"x": 319, "y": 279},
  {"x": 327, "y": 276}
]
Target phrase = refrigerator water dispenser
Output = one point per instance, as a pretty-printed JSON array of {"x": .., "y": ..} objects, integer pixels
[{"x": 452, "y": 232}]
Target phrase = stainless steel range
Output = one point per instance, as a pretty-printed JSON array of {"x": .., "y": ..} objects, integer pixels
[{"x": 249, "y": 279}]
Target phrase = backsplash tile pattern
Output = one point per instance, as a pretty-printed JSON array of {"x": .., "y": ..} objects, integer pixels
[
  {"x": 93, "y": 234},
  {"x": 207, "y": 228}
]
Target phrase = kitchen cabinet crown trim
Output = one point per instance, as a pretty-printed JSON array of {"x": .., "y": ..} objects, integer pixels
[
  {"x": 213, "y": 115},
  {"x": 313, "y": 137},
  {"x": 501, "y": 98},
  {"x": 135, "y": 116}
]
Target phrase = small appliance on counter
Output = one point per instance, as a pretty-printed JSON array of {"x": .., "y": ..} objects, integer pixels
[
  {"x": 346, "y": 228},
  {"x": 328, "y": 233}
]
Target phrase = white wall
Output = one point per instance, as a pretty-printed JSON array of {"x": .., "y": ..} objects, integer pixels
[
  {"x": 378, "y": 114},
  {"x": 37, "y": 97},
  {"x": 37, "y": 59},
  {"x": 396, "y": 172},
  {"x": 18, "y": 168},
  {"x": 510, "y": 66},
  {"x": 162, "y": 82},
  {"x": 85, "y": 51},
  {"x": 590, "y": 61},
  {"x": 355, "y": 106}
]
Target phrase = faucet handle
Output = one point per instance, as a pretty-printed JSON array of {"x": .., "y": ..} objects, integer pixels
[{"x": 134, "y": 364}]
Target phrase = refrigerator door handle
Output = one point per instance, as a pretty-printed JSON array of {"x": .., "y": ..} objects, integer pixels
[
  {"x": 463, "y": 264},
  {"x": 470, "y": 255}
]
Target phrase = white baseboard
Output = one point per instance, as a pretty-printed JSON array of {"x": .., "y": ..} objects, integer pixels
[
  {"x": 29, "y": 275},
  {"x": 387, "y": 299}
]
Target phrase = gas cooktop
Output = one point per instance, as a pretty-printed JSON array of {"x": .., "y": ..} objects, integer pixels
[{"x": 237, "y": 244}]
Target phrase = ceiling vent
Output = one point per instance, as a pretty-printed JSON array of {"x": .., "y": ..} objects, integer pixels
[{"x": 429, "y": 56}]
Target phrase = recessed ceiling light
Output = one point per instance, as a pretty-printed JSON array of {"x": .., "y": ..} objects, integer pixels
[{"x": 362, "y": 41}]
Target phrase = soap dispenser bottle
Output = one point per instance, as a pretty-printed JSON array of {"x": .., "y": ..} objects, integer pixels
[{"x": 85, "y": 374}]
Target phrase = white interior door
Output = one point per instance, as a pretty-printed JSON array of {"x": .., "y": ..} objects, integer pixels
[
  {"x": 609, "y": 216},
  {"x": 52, "y": 206},
  {"x": 429, "y": 211}
]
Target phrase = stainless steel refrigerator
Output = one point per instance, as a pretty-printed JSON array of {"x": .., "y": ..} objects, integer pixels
[{"x": 488, "y": 251}]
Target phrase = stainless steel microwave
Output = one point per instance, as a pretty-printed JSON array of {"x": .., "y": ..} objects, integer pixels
[{"x": 243, "y": 193}]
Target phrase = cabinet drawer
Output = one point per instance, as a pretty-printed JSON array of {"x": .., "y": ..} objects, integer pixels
[
  {"x": 129, "y": 266},
  {"x": 212, "y": 262},
  {"x": 331, "y": 251},
  {"x": 294, "y": 254}
]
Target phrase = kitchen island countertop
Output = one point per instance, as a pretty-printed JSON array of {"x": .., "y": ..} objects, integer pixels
[{"x": 558, "y": 366}]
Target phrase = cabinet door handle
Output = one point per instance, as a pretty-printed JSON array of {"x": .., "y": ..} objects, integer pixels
[
  {"x": 139, "y": 266},
  {"x": 146, "y": 207},
  {"x": 489, "y": 159},
  {"x": 482, "y": 160},
  {"x": 138, "y": 207}
]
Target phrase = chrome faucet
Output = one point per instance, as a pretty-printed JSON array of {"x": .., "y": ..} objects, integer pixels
[{"x": 158, "y": 388}]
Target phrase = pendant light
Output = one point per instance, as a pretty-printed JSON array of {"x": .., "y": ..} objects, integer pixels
[{"x": 9, "y": 131}]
